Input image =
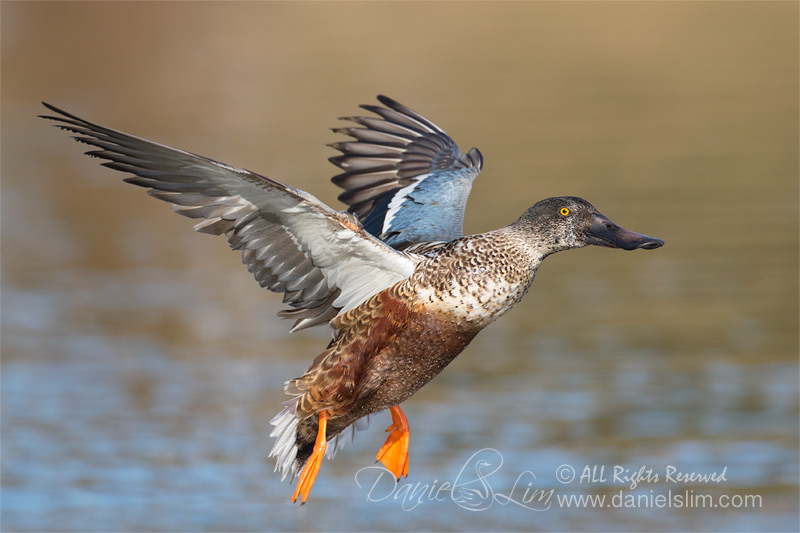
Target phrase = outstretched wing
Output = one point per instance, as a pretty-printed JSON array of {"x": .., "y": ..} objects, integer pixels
[
  {"x": 323, "y": 261},
  {"x": 404, "y": 177}
]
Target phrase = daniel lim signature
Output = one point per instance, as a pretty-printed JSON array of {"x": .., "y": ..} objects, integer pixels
[{"x": 471, "y": 489}]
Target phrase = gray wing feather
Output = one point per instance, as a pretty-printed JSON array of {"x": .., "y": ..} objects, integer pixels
[{"x": 322, "y": 260}]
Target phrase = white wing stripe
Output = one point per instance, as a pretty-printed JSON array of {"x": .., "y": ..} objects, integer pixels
[{"x": 397, "y": 201}]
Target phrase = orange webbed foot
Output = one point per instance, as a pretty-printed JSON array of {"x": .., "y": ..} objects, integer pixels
[
  {"x": 311, "y": 469},
  {"x": 394, "y": 452}
]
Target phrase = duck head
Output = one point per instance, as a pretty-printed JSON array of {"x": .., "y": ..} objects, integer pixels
[{"x": 566, "y": 222}]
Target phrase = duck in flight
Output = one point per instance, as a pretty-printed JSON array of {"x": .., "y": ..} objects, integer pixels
[{"x": 393, "y": 276}]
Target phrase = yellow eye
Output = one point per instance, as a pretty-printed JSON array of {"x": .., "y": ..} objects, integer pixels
[{"x": 564, "y": 211}]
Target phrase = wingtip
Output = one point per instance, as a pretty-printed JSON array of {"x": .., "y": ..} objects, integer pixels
[
  {"x": 63, "y": 116},
  {"x": 51, "y": 108},
  {"x": 394, "y": 105},
  {"x": 54, "y": 109}
]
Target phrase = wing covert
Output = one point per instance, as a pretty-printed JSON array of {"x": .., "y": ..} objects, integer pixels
[{"x": 404, "y": 177}]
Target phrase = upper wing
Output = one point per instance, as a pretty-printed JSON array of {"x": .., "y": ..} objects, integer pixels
[
  {"x": 404, "y": 177},
  {"x": 323, "y": 261}
]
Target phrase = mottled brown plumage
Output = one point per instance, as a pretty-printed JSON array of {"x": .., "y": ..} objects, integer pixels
[{"x": 385, "y": 350}]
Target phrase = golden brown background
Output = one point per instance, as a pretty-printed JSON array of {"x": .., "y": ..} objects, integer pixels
[{"x": 141, "y": 363}]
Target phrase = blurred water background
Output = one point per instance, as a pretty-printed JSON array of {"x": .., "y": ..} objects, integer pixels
[{"x": 141, "y": 363}]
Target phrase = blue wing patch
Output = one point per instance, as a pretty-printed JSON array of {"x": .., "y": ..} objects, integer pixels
[{"x": 404, "y": 176}]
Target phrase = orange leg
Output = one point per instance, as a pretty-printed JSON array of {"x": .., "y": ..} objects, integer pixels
[
  {"x": 394, "y": 452},
  {"x": 311, "y": 469}
]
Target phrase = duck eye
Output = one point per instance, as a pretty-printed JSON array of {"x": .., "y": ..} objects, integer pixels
[{"x": 564, "y": 211}]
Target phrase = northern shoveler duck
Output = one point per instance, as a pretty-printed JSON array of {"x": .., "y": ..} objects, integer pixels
[{"x": 403, "y": 290}]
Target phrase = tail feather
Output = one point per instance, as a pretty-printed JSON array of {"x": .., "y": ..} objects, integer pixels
[{"x": 285, "y": 448}]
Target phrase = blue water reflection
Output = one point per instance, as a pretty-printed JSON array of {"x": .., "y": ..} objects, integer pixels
[{"x": 111, "y": 433}]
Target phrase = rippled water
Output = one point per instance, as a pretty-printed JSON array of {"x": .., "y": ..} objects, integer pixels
[{"x": 141, "y": 364}]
